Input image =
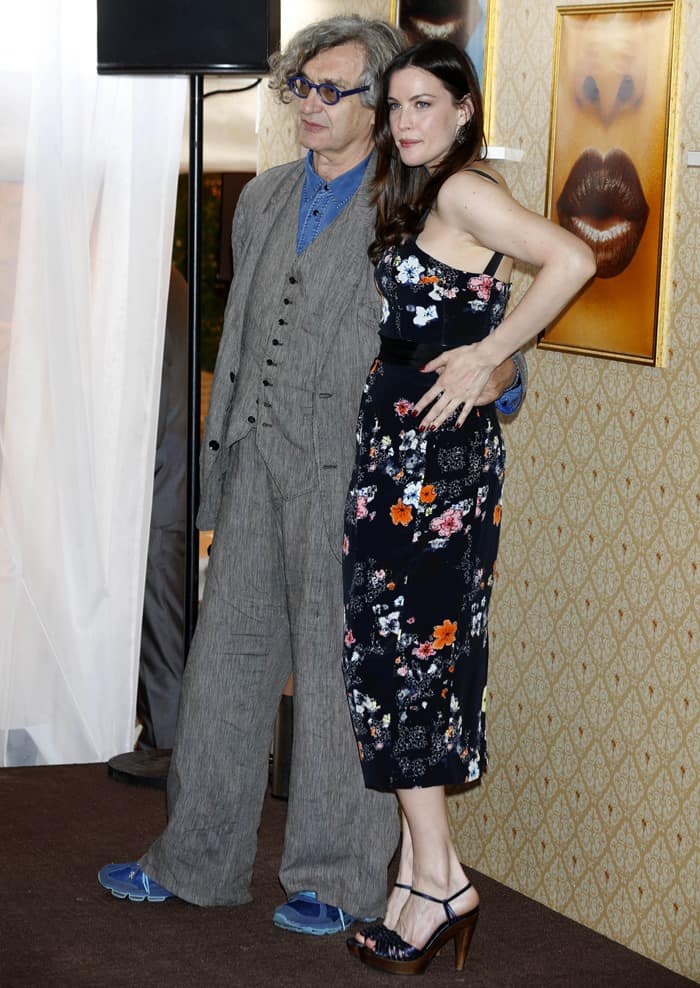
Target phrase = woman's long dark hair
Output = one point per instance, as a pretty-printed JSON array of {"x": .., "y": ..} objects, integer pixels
[{"x": 404, "y": 194}]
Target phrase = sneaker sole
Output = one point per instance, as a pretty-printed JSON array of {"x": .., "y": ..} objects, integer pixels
[
  {"x": 314, "y": 931},
  {"x": 139, "y": 898}
]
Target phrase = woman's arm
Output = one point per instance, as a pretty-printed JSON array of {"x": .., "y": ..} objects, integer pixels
[{"x": 489, "y": 215}]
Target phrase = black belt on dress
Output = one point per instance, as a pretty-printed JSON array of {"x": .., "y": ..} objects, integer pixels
[{"x": 407, "y": 353}]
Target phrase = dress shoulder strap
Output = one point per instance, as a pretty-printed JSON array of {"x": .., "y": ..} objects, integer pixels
[
  {"x": 492, "y": 266},
  {"x": 477, "y": 171}
]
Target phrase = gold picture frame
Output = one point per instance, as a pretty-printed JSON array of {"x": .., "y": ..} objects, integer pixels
[
  {"x": 608, "y": 173},
  {"x": 469, "y": 23}
]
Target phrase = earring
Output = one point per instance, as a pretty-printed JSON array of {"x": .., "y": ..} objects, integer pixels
[{"x": 461, "y": 135}]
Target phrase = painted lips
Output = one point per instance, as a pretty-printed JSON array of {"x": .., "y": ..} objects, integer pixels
[
  {"x": 434, "y": 30},
  {"x": 603, "y": 203}
]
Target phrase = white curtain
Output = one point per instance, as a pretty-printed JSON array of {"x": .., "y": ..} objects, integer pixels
[{"x": 88, "y": 174}]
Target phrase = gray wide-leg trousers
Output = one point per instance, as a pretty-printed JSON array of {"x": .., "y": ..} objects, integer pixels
[{"x": 272, "y": 605}]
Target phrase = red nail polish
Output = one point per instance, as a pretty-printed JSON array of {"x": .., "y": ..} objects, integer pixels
[
  {"x": 421, "y": 428},
  {"x": 432, "y": 428},
  {"x": 415, "y": 413}
]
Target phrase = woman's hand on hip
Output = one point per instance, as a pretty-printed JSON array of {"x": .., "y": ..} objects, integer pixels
[{"x": 462, "y": 375}]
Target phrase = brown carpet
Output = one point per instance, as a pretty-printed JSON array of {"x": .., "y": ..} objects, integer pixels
[{"x": 58, "y": 928}]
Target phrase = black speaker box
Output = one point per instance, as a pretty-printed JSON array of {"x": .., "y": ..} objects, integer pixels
[{"x": 187, "y": 36}]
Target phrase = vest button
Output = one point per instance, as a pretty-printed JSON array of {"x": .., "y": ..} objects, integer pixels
[
  {"x": 267, "y": 384},
  {"x": 275, "y": 342},
  {"x": 251, "y": 419},
  {"x": 292, "y": 280},
  {"x": 213, "y": 444},
  {"x": 270, "y": 363},
  {"x": 232, "y": 375},
  {"x": 282, "y": 322},
  {"x": 287, "y": 301}
]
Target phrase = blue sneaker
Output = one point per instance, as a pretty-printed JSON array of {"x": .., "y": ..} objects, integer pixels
[
  {"x": 303, "y": 913},
  {"x": 127, "y": 881}
]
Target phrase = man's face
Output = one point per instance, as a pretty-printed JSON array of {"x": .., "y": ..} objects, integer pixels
[{"x": 335, "y": 131}]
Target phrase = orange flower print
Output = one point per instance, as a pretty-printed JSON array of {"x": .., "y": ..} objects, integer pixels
[
  {"x": 444, "y": 634},
  {"x": 427, "y": 494},
  {"x": 497, "y": 515},
  {"x": 401, "y": 514},
  {"x": 429, "y": 279},
  {"x": 391, "y": 586}
]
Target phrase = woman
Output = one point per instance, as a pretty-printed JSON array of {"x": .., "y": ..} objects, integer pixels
[{"x": 424, "y": 506}]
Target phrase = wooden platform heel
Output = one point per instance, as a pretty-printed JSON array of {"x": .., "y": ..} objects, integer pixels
[{"x": 395, "y": 956}]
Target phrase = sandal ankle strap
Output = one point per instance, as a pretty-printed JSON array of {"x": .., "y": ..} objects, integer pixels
[{"x": 445, "y": 903}]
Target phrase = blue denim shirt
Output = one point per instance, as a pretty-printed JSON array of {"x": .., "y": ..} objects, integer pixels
[{"x": 322, "y": 201}]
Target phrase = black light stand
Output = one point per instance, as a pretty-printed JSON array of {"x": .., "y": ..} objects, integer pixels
[{"x": 150, "y": 766}]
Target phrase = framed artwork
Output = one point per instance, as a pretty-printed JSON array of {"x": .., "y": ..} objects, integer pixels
[
  {"x": 608, "y": 174},
  {"x": 468, "y": 23}
]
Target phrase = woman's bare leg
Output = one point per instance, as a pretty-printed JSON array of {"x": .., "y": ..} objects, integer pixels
[
  {"x": 436, "y": 867},
  {"x": 398, "y": 896}
]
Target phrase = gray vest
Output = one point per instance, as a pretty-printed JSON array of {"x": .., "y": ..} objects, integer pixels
[
  {"x": 340, "y": 311},
  {"x": 281, "y": 350}
]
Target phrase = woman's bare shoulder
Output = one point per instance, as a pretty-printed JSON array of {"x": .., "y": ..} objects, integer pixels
[{"x": 475, "y": 178}]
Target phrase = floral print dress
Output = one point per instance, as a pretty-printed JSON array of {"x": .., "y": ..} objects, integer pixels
[{"x": 422, "y": 522}]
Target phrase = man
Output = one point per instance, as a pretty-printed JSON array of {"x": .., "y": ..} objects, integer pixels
[{"x": 300, "y": 332}]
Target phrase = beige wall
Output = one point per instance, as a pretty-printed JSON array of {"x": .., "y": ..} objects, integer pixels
[{"x": 590, "y": 804}]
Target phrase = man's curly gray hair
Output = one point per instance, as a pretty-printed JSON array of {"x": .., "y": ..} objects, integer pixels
[{"x": 380, "y": 41}]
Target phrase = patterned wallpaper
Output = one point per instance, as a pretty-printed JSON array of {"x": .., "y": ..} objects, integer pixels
[{"x": 591, "y": 802}]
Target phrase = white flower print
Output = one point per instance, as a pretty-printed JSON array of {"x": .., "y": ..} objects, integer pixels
[
  {"x": 409, "y": 271},
  {"x": 473, "y": 770},
  {"x": 481, "y": 495},
  {"x": 389, "y": 625},
  {"x": 425, "y": 315},
  {"x": 438, "y": 293},
  {"x": 411, "y": 493}
]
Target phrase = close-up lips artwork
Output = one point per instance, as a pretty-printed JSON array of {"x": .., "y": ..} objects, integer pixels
[
  {"x": 603, "y": 203},
  {"x": 440, "y": 20}
]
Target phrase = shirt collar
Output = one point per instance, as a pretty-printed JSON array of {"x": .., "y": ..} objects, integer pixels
[{"x": 342, "y": 187}]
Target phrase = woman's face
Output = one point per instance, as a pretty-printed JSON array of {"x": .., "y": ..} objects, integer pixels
[{"x": 423, "y": 116}]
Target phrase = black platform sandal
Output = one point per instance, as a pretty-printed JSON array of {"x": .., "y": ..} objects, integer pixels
[
  {"x": 353, "y": 945},
  {"x": 394, "y": 955}
]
